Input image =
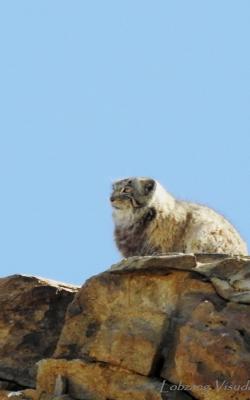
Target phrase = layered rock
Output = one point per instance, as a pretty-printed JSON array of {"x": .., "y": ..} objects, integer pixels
[
  {"x": 169, "y": 327},
  {"x": 32, "y": 312}
]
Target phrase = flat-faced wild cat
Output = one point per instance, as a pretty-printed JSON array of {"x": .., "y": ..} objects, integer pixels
[{"x": 148, "y": 220}]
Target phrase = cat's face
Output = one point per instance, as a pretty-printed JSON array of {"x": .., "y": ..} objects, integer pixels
[{"x": 132, "y": 193}]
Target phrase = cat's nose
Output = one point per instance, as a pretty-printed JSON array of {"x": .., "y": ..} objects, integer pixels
[{"x": 112, "y": 198}]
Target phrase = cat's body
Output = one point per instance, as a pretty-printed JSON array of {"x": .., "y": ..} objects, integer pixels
[{"x": 148, "y": 220}]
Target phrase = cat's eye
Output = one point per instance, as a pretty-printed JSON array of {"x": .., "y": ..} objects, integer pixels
[{"x": 127, "y": 190}]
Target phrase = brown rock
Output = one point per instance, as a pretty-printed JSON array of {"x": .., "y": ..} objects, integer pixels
[
  {"x": 123, "y": 319},
  {"x": 169, "y": 327},
  {"x": 211, "y": 349},
  {"x": 96, "y": 381},
  {"x": 230, "y": 277},
  {"x": 158, "y": 263},
  {"x": 166, "y": 321},
  {"x": 32, "y": 314},
  {"x": 27, "y": 394},
  {"x": 30, "y": 394},
  {"x": 3, "y": 395}
]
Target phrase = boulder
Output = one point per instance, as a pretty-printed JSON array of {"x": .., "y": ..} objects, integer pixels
[
  {"x": 179, "y": 319},
  {"x": 32, "y": 312},
  {"x": 168, "y": 327}
]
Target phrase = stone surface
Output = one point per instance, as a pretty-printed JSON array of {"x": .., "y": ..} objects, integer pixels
[
  {"x": 230, "y": 276},
  {"x": 158, "y": 263},
  {"x": 211, "y": 345},
  {"x": 32, "y": 314},
  {"x": 115, "y": 318},
  {"x": 166, "y": 320},
  {"x": 99, "y": 381},
  {"x": 170, "y": 327},
  {"x": 8, "y": 385}
]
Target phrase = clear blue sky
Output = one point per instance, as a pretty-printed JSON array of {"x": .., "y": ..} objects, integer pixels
[{"x": 92, "y": 91}]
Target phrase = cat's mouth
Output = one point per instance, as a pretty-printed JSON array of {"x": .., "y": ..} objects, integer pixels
[
  {"x": 119, "y": 201},
  {"x": 116, "y": 207},
  {"x": 124, "y": 201}
]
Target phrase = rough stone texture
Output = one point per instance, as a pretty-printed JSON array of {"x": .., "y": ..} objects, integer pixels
[
  {"x": 27, "y": 394},
  {"x": 157, "y": 263},
  {"x": 230, "y": 276},
  {"x": 175, "y": 317},
  {"x": 96, "y": 381},
  {"x": 32, "y": 314},
  {"x": 116, "y": 317},
  {"x": 168, "y": 327}
]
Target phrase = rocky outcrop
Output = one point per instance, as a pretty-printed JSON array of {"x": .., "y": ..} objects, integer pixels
[
  {"x": 32, "y": 312},
  {"x": 168, "y": 327}
]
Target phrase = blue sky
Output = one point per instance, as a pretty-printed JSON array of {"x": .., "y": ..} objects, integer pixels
[{"x": 92, "y": 91}]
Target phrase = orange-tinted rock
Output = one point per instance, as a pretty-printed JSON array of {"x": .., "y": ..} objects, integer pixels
[
  {"x": 165, "y": 322},
  {"x": 212, "y": 351},
  {"x": 96, "y": 381},
  {"x": 121, "y": 319},
  {"x": 4, "y": 395},
  {"x": 166, "y": 327}
]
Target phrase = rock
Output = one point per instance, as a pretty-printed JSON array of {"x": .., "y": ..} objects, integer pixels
[
  {"x": 211, "y": 346},
  {"x": 96, "y": 381},
  {"x": 7, "y": 385},
  {"x": 174, "y": 327},
  {"x": 230, "y": 277},
  {"x": 32, "y": 314},
  {"x": 27, "y": 394},
  {"x": 154, "y": 318},
  {"x": 60, "y": 385},
  {"x": 123, "y": 319},
  {"x": 158, "y": 263},
  {"x": 3, "y": 395}
]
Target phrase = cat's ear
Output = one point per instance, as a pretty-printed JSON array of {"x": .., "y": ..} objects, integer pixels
[{"x": 148, "y": 186}]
